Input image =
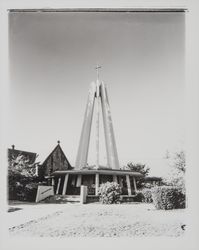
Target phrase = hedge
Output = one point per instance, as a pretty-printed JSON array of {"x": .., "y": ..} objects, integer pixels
[{"x": 168, "y": 197}]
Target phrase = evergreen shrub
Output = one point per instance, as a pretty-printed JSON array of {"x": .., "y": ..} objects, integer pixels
[{"x": 109, "y": 193}]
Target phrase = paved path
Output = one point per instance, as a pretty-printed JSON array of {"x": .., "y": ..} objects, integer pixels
[
  {"x": 75, "y": 220},
  {"x": 27, "y": 213}
]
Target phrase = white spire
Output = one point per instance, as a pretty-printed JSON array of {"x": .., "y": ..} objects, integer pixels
[{"x": 97, "y": 69}]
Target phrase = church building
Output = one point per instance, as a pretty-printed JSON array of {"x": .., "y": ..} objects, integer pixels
[{"x": 67, "y": 181}]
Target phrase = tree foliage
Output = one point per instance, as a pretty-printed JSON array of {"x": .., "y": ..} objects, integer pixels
[
  {"x": 177, "y": 163},
  {"x": 20, "y": 174},
  {"x": 20, "y": 165},
  {"x": 138, "y": 167}
]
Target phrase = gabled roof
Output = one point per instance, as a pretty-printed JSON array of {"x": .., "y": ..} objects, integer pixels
[
  {"x": 13, "y": 153},
  {"x": 58, "y": 146}
]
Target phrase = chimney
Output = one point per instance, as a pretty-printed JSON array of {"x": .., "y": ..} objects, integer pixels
[{"x": 13, "y": 146}]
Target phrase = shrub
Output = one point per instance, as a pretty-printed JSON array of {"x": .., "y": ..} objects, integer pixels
[
  {"x": 23, "y": 188},
  {"x": 21, "y": 175},
  {"x": 109, "y": 193},
  {"x": 147, "y": 195},
  {"x": 139, "y": 197},
  {"x": 168, "y": 197},
  {"x": 30, "y": 191}
]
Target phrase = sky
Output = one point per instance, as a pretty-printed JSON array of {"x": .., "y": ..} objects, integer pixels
[{"x": 52, "y": 63}]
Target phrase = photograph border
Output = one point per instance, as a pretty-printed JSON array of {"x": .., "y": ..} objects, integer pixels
[{"x": 190, "y": 240}]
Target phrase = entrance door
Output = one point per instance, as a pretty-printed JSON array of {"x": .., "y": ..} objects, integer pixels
[{"x": 71, "y": 187}]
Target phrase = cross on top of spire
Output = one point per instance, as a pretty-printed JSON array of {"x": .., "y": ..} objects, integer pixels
[{"x": 97, "y": 69}]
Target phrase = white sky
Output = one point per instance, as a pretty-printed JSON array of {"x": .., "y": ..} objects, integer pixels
[{"x": 52, "y": 60}]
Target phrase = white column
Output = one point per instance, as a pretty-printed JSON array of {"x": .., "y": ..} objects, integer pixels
[
  {"x": 128, "y": 184},
  {"x": 82, "y": 154},
  {"x": 53, "y": 181},
  {"x": 134, "y": 183},
  {"x": 112, "y": 156},
  {"x": 96, "y": 183},
  {"x": 65, "y": 184},
  {"x": 79, "y": 180},
  {"x": 58, "y": 185},
  {"x": 83, "y": 194},
  {"x": 115, "y": 178},
  {"x": 97, "y": 123}
]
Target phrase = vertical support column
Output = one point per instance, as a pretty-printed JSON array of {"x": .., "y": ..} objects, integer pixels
[
  {"x": 134, "y": 183},
  {"x": 83, "y": 194},
  {"x": 128, "y": 184},
  {"x": 65, "y": 184},
  {"x": 82, "y": 153},
  {"x": 53, "y": 181},
  {"x": 112, "y": 157},
  {"x": 79, "y": 180},
  {"x": 96, "y": 183},
  {"x": 97, "y": 123},
  {"x": 115, "y": 178},
  {"x": 53, "y": 184},
  {"x": 120, "y": 181},
  {"x": 58, "y": 185}
]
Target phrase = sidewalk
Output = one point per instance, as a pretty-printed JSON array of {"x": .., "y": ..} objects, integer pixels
[{"x": 27, "y": 212}]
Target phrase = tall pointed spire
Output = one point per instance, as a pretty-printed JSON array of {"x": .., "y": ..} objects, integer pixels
[
  {"x": 97, "y": 70},
  {"x": 97, "y": 94}
]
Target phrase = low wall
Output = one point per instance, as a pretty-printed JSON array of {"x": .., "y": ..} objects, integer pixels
[
  {"x": 43, "y": 192},
  {"x": 92, "y": 198},
  {"x": 128, "y": 198}
]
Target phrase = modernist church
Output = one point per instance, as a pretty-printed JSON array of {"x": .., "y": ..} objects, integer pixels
[{"x": 67, "y": 179}]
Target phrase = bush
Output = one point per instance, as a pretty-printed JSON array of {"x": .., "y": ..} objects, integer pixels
[
  {"x": 30, "y": 191},
  {"x": 109, "y": 193},
  {"x": 139, "y": 197},
  {"x": 168, "y": 197},
  {"x": 147, "y": 195},
  {"x": 23, "y": 188}
]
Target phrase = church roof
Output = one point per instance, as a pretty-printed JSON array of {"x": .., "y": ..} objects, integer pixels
[{"x": 57, "y": 147}]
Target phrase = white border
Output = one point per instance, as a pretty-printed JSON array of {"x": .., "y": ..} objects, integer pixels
[{"x": 190, "y": 241}]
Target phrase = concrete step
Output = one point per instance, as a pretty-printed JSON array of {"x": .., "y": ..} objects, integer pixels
[{"x": 62, "y": 199}]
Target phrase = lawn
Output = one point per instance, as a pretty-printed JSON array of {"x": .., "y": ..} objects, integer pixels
[{"x": 96, "y": 220}]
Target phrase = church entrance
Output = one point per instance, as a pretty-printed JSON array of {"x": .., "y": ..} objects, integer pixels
[
  {"x": 89, "y": 181},
  {"x": 72, "y": 188}
]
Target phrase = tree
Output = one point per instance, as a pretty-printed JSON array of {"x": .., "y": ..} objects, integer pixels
[
  {"x": 20, "y": 174},
  {"x": 141, "y": 168},
  {"x": 177, "y": 163},
  {"x": 20, "y": 165},
  {"x": 138, "y": 167}
]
